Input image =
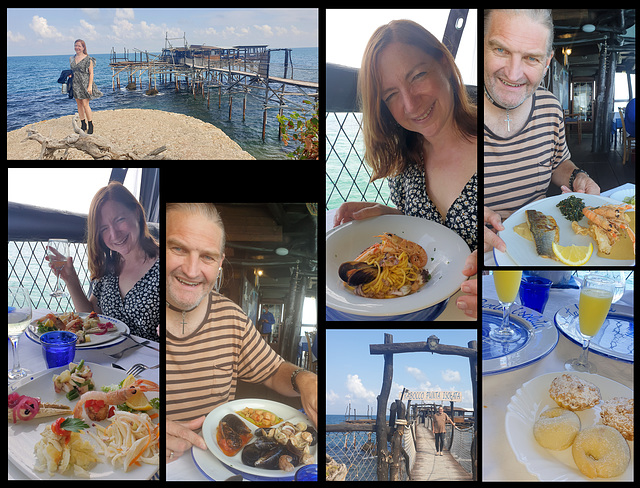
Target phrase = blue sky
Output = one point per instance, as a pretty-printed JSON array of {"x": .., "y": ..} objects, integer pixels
[
  {"x": 355, "y": 375},
  {"x": 40, "y": 31}
]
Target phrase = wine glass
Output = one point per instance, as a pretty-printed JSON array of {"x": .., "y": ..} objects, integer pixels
[
  {"x": 19, "y": 318},
  {"x": 595, "y": 300},
  {"x": 57, "y": 252},
  {"x": 507, "y": 284}
]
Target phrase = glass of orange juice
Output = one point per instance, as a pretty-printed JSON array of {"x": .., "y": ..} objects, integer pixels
[
  {"x": 507, "y": 284},
  {"x": 595, "y": 300}
]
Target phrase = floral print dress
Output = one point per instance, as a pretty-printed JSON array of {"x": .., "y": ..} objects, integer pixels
[
  {"x": 81, "y": 79},
  {"x": 140, "y": 307},
  {"x": 409, "y": 193}
]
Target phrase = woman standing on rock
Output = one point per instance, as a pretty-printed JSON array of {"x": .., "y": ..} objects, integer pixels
[{"x": 84, "y": 88}]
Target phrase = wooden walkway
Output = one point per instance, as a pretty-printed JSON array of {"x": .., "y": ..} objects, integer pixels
[
  {"x": 429, "y": 467},
  {"x": 192, "y": 64}
]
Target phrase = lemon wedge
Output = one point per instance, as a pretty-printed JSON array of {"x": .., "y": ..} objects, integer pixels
[
  {"x": 139, "y": 400},
  {"x": 573, "y": 255}
]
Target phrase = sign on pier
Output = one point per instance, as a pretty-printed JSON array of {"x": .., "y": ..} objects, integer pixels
[{"x": 448, "y": 396}]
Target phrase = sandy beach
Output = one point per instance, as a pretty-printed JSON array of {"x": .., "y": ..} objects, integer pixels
[{"x": 136, "y": 130}]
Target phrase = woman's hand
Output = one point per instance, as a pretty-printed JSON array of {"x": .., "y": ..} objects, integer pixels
[
  {"x": 67, "y": 272},
  {"x": 349, "y": 211},
  {"x": 468, "y": 303}
]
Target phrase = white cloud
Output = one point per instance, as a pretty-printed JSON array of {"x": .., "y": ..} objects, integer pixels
[
  {"x": 125, "y": 13},
  {"x": 355, "y": 386},
  {"x": 17, "y": 37},
  {"x": 41, "y": 27},
  {"x": 332, "y": 396},
  {"x": 122, "y": 28},
  {"x": 417, "y": 374},
  {"x": 88, "y": 31},
  {"x": 450, "y": 375},
  {"x": 265, "y": 29}
]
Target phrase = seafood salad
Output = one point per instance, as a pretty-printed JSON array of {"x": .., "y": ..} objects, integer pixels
[{"x": 392, "y": 268}]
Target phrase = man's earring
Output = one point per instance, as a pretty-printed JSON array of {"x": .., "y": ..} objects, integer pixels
[{"x": 218, "y": 282}]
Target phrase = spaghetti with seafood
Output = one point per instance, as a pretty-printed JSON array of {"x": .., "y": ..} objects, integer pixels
[{"x": 392, "y": 268}]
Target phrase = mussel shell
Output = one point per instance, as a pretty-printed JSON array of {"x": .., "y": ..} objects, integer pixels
[
  {"x": 231, "y": 429},
  {"x": 271, "y": 458},
  {"x": 233, "y": 422},
  {"x": 355, "y": 273},
  {"x": 313, "y": 432},
  {"x": 254, "y": 452}
]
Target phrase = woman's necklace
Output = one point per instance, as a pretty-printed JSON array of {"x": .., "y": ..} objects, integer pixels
[
  {"x": 184, "y": 313},
  {"x": 507, "y": 120}
]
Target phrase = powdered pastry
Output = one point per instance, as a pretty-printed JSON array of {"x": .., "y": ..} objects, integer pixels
[
  {"x": 556, "y": 428},
  {"x": 573, "y": 393}
]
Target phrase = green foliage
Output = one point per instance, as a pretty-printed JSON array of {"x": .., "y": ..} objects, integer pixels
[{"x": 297, "y": 127}]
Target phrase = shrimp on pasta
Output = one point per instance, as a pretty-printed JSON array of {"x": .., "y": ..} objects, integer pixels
[{"x": 388, "y": 269}]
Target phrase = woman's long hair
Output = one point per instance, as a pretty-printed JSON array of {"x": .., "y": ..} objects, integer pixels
[
  {"x": 102, "y": 260},
  {"x": 389, "y": 148},
  {"x": 84, "y": 46}
]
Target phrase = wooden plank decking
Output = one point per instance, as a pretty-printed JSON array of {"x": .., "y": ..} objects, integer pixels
[{"x": 428, "y": 466}]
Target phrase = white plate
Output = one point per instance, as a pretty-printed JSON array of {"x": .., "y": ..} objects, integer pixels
[
  {"x": 446, "y": 252},
  {"x": 620, "y": 195},
  {"x": 521, "y": 252},
  {"x": 525, "y": 408},
  {"x": 23, "y": 436},
  {"x": 96, "y": 340},
  {"x": 210, "y": 425}
]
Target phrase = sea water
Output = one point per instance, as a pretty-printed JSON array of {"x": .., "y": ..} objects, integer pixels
[{"x": 33, "y": 95}]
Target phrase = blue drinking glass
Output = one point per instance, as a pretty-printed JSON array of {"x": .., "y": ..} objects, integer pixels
[
  {"x": 307, "y": 473},
  {"x": 534, "y": 292},
  {"x": 58, "y": 347}
]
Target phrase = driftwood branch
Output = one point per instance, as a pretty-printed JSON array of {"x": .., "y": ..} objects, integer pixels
[{"x": 97, "y": 147}]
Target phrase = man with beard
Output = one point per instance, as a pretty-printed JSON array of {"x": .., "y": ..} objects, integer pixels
[
  {"x": 524, "y": 137},
  {"x": 211, "y": 343}
]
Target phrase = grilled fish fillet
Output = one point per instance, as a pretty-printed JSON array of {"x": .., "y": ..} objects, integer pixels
[{"x": 545, "y": 231}]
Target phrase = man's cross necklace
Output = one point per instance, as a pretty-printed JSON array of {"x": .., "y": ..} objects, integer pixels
[
  {"x": 184, "y": 314},
  {"x": 508, "y": 119}
]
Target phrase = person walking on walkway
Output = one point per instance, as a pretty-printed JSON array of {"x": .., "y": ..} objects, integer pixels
[{"x": 440, "y": 428}]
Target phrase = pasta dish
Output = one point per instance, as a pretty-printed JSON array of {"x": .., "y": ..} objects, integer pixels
[{"x": 390, "y": 269}]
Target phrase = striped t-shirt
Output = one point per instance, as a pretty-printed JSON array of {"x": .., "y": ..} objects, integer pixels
[
  {"x": 517, "y": 169},
  {"x": 203, "y": 368}
]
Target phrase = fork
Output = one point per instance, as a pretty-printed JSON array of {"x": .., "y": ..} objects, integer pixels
[{"x": 138, "y": 368}]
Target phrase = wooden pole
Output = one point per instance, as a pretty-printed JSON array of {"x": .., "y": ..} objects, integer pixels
[
  {"x": 420, "y": 347},
  {"x": 381, "y": 414},
  {"x": 473, "y": 367}
]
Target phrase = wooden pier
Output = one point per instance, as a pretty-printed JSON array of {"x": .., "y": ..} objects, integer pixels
[
  {"x": 239, "y": 72},
  {"x": 428, "y": 466}
]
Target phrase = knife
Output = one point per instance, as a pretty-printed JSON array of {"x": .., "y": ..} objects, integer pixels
[{"x": 145, "y": 343}]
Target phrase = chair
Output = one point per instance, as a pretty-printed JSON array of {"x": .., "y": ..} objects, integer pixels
[{"x": 628, "y": 142}]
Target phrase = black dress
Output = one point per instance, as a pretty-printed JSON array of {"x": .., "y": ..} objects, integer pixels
[
  {"x": 140, "y": 307},
  {"x": 409, "y": 193}
]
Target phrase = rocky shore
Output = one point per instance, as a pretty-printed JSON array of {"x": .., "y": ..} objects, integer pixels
[{"x": 136, "y": 130}]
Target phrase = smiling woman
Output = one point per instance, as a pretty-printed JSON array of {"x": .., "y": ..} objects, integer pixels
[{"x": 407, "y": 73}]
